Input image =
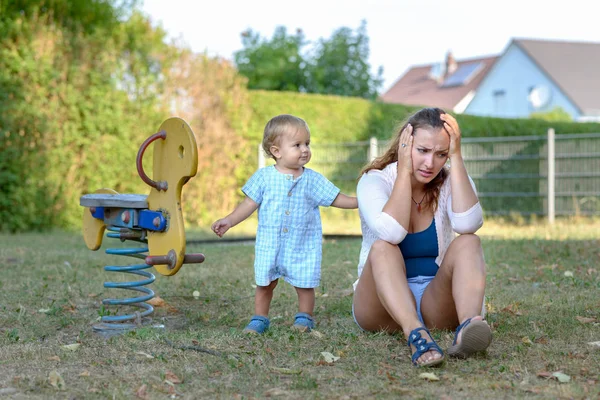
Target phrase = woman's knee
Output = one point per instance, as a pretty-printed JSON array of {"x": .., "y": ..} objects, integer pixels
[
  {"x": 382, "y": 249},
  {"x": 384, "y": 255},
  {"x": 467, "y": 241}
]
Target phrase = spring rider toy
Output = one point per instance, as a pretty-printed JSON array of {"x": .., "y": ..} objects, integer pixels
[{"x": 155, "y": 220}]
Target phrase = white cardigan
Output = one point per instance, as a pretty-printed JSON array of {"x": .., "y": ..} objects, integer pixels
[{"x": 373, "y": 191}]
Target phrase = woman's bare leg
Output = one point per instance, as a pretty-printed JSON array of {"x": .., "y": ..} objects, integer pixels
[
  {"x": 382, "y": 299},
  {"x": 456, "y": 293}
]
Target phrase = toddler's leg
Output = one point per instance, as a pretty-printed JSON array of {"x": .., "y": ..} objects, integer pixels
[
  {"x": 303, "y": 320},
  {"x": 262, "y": 301},
  {"x": 306, "y": 300},
  {"x": 263, "y": 297}
]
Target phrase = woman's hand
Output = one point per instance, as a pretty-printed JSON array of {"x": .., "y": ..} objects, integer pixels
[
  {"x": 451, "y": 126},
  {"x": 405, "y": 150}
]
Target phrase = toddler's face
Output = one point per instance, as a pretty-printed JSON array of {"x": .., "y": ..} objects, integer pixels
[{"x": 294, "y": 149}]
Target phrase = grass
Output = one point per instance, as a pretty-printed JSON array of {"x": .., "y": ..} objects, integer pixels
[{"x": 543, "y": 304}]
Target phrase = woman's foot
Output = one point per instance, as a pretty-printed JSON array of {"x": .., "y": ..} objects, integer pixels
[
  {"x": 426, "y": 352},
  {"x": 472, "y": 336}
]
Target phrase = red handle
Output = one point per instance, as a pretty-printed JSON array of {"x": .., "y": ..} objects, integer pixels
[{"x": 160, "y": 185}]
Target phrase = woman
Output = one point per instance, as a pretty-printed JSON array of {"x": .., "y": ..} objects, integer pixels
[{"x": 413, "y": 272}]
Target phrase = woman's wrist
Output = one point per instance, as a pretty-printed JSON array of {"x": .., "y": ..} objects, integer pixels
[{"x": 456, "y": 158}]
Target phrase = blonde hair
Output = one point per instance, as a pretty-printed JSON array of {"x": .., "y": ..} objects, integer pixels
[
  {"x": 426, "y": 117},
  {"x": 279, "y": 125}
]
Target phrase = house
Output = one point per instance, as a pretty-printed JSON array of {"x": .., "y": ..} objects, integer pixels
[
  {"x": 450, "y": 85},
  {"x": 529, "y": 76}
]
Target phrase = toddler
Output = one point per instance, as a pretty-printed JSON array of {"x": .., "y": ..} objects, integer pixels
[{"x": 289, "y": 237}]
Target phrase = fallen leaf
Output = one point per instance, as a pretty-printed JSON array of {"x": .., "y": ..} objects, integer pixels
[
  {"x": 585, "y": 320},
  {"x": 316, "y": 334},
  {"x": 286, "y": 371},
  {"x": 544, "y": 374},
  {"x": 541, "y": 340},
  {"x": 330, "y": 358},
  {"x": 71, "y": 347},
  {"x": 44, "y": 310},
  {"x": 569, "y": 274},
  {"x": 513, "y": 309},
  {"x": 558, "y": 375},
  {"x": 142, "y": 392},
  {"x": 54, "y": 358},
  {"x": 196, "y": 294},
  {"x": 562, "y": 378},
  {"x": 156, "y": 301},
  {"x": 594, "y": 344},
  {"x": 141, "y": 353},
  {"x": 56, "y": 380},
  {"x": 430, "y": 376},
  {"x": 171, "y": 377},
  {"x": 276, "y": 392},
  {"x": 85, "y": 373},
  {"x": 526, "y": 341}
]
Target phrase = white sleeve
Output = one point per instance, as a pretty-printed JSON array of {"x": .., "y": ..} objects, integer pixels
[
  {"x": 373, "y": 192},
  {"x": 467, "y": 221}
]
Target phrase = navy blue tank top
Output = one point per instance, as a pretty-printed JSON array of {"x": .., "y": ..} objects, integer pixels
[{"x": 420, "y": 250}]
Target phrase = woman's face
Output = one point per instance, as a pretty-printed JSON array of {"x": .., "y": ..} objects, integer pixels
[{"x": 429, "y": 152}]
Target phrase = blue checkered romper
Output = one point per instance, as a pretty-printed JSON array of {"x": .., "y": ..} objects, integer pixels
[{"x": 289, "y": 236}]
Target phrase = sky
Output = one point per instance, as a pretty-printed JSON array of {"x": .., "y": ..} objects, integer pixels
[{"x": 402, "y": 33}]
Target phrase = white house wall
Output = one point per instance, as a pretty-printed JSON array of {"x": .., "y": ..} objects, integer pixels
[{"x": 515, "y": 73}]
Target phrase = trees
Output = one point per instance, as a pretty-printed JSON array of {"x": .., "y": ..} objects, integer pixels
[
  {"x": 338, "y": 65},
  {"x": 276, "y": 64},
  {"x": 77, "y": 84}
]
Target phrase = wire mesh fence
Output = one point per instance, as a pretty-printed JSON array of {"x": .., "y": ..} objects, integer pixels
[{"x": 542, "y": 175}]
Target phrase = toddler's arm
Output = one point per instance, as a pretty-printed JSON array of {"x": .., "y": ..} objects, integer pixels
[
  {"x": 343, "y": 201},
  {"x": 241, "y": 212}
]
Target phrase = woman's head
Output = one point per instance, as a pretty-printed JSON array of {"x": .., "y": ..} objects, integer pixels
[
  {"x": 424, "y": 119},
  {"x": 429, "y": 152}
]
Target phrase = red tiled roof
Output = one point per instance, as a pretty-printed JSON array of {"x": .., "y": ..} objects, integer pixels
[{"x": 416, "y": 87}]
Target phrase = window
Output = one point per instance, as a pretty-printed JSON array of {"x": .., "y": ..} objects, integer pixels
[
  {"x": 499, "y": 101},
  {"x": 463, "y": 74}
]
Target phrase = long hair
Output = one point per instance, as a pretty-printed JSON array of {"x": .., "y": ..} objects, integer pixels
[{"x": 426, "y": 117}]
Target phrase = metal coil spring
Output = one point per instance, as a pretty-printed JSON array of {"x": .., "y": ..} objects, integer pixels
[{"x": 115, "y": 321}]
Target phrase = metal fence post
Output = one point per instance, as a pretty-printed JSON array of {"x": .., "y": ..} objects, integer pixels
[
  {"x": 373, "y": 149},
  {"x": 551, "y": 175},
  {"x": 261, "y": 157}
]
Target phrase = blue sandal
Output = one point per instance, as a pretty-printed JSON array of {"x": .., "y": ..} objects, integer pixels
[
  {"x": 258, "y": 325},
  {"x": 303, "y": 322},
  {"x": 422, "y": 346},
  {"x": 476, "y": 337}
]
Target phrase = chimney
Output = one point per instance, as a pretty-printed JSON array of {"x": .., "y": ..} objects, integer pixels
[{"x": 450, "y": 63}]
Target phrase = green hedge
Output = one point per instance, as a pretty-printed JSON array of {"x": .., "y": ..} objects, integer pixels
[
  {"x": 335, "y": 119},
  {"x": 40, "y": 185}
]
